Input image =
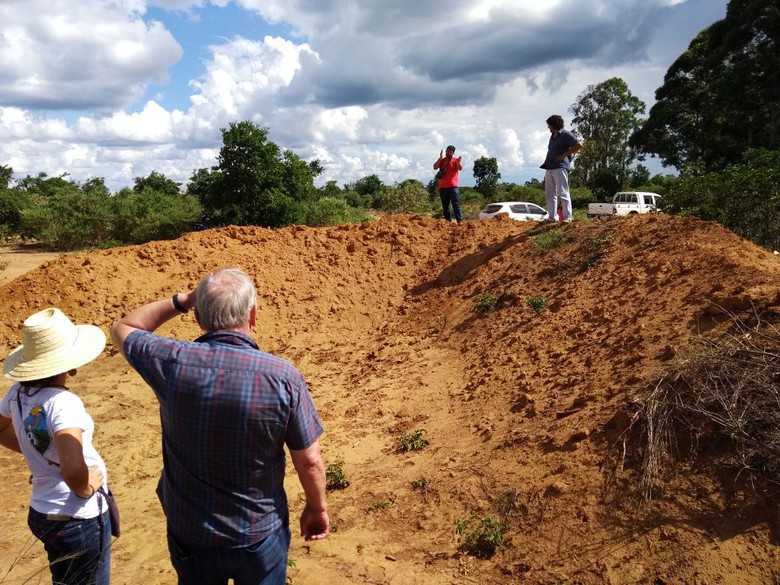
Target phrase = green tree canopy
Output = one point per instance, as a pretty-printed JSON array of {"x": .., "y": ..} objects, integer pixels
[
  {"x": 605, "y": 116},
  {"x": 254, "y": 182},
  {"x": 6, "y": 173},
  {"x": 722, "y": 95},
  {"x": 486, "y": 175},
  {"x": 157, "y": 182}
]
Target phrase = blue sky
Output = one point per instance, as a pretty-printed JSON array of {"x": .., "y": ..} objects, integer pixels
[
  {"x": 117, "y": 90},
  {"x": 195, "y": 30}
]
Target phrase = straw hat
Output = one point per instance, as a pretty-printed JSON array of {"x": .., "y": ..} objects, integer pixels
[{"x": 51, "y": 345}]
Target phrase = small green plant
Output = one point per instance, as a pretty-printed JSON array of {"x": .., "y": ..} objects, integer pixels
[
  {"x": 480, "y": 537},
  {"x": 550, "y": 240},
  {"x": 334, "y": 476},
  {"x": 537, "y": 303},
  {"x": 420, "y": 485},
  {"x": 597, "y": 244},
  {"x": 379, "y": 505},
  {"x": 413, "y": 441},
  {"x": 486, "y": 302}
]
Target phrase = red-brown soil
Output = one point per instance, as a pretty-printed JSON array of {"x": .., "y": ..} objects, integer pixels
[{"x": 524, "y": 411}]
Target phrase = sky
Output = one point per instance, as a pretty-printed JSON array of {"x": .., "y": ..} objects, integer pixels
[{"x": 121, "y": 88}]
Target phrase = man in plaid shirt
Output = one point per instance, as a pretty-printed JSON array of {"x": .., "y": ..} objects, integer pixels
[{"x": 227, "y": 409}]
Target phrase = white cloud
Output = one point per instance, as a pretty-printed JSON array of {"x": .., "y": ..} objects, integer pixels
[
  {"x": 367, "y": 87},
  {"x": 90, "y": 54}
]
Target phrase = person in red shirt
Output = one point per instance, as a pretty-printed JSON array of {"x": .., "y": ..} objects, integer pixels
[{"x": 449, "y": 192}]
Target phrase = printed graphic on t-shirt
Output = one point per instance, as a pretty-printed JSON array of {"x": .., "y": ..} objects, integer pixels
[{"x": 37, "y": 430}]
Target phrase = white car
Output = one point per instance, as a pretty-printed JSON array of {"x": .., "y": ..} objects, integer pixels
[{"x": 519, "y": 210}]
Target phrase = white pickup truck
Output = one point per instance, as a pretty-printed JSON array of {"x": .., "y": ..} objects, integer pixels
[{"x": 626, "y": 203}]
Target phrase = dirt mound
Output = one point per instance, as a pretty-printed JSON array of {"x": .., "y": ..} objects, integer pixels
[{"x": 522, "y": 409}]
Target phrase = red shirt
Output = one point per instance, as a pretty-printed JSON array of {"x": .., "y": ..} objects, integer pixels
[{"x": 450, "y": 178}]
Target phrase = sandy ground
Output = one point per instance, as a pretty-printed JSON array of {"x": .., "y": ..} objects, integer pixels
[{"x": 523, "y": 411}]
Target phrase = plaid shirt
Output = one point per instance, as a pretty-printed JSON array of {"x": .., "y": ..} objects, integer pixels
[{"x": 226, "y": 409}]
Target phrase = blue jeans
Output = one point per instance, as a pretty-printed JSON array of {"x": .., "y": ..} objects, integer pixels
[
  {"x": 79, "y": 550},
  {"x": 262, "y": 563},
  {"x": 450, "y": 195}
]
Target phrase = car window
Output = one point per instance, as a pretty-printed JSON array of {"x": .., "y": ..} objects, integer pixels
[
  {"x": 518, "y": 208},
  {"x": 535, "y": 209},
  {"x": 631, "y": 197},
  {"x": 621, "y": 198},
  {"x": 649, "y": 200},
  {"x": 493, "y": 208}
]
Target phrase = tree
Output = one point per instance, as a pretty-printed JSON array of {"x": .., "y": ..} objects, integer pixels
[
  {"x": 744, "y": 197},
  {"x": 605, "y": 116},
  {"x": 722, "y": 95},
  {"x": 66, "y": 215},
  {"x": 6, "y": 174},
  {"x": 157, "y": 182},
  {"x": 487, "y": 176},
  {"x": 640, "y": 175},
  {"x": 330, "y": 189},
  {"x": 254, "y": 182},
  {"x": 150, "y": 214},
  {"x": 409, "y": 196},
  {"x": 204, "y": 184},
  {"x": 370, "y": 185},
  {"x": 43, "y": 184}
]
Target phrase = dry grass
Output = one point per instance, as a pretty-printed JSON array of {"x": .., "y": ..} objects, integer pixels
[{"x": 726, "y": 393}]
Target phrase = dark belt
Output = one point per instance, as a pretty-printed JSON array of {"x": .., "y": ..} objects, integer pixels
[{"x": 59, "y": 517}]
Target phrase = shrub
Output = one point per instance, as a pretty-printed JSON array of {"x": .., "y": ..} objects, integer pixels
[
  {"x": 409, "y": 196},
  {"x": 485, "y": 302},
  {"x": 420, "y": 485},
  {"x": 537, "y": 303},
  {"x": 743, "y": 197},
  {"x": 334, "y": 476},
  {"x": 333, "y": 211},
  {"x": 379, "y": 505},
  {"x": 480, "y": 537},
  {"x": 413, "y": 441},
  {"x": 70, "y": 220},
  {"x": 146, "y": 215}
]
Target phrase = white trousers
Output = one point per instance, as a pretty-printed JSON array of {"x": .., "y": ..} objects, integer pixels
[{"x": 556, "y": 184}]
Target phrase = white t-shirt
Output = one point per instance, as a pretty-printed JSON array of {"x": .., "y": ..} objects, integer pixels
[{"x": 44, "y": 413}]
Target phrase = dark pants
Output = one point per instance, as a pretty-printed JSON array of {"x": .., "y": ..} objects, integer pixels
[
  {"x": 79, "y": 551},
  {"x": 262, "y": 563},
  {"x": 450, "y": 195}
]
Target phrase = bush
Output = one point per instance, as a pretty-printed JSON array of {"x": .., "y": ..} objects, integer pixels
[
  {"x": 279, "y": 209},
  {"x": 12, "y": 202},
  {"x": 537, "y": 303},
  {"x": 485, "y": 303},
  {"x": 70, "y": 220},
  {"x": 409, "y": 197},
  {"x": 580, "y": 197},
  {"x": 333, "y": 211},
  {"x": 334, "y": 476},
  {"x": 745, "y": 197},
  {"x": 413, "y": 441},
  {"x": 146, "y": 215},
  {"x": 480, "y": 537}
]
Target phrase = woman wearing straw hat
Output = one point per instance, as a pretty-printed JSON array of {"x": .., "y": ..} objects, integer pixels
[{"x": 47, "y": 423}]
